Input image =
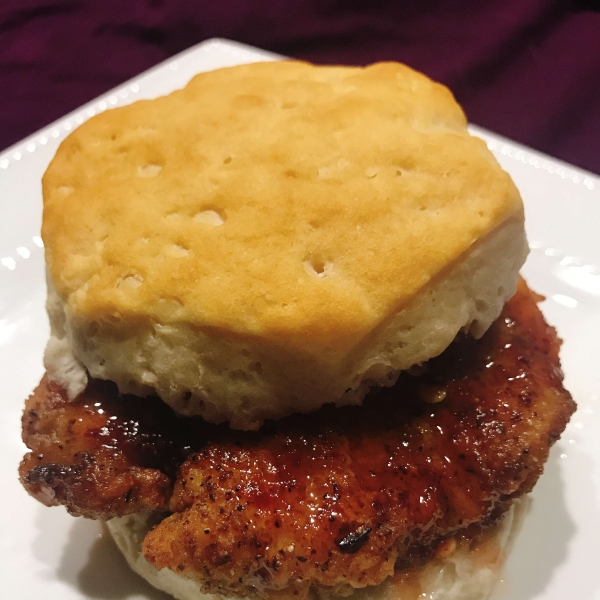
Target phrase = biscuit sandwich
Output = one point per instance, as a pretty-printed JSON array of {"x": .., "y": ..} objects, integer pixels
[{"x": 290, "y": 354}]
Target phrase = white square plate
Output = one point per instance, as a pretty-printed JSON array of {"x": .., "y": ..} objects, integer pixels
[{"x": 44, "y": 553}]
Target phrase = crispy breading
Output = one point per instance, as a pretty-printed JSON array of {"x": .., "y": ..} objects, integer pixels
[
  {"x": 101, "y": 456},
  {"x": 338, "y": 498}
]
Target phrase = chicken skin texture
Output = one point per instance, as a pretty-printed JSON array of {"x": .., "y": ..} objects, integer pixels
[
  {"x": 101, "y": 456},
  {"x": 329, "y": 501}
]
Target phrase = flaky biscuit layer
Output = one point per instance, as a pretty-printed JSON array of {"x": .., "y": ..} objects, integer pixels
[{"x": 272, "y": 218}]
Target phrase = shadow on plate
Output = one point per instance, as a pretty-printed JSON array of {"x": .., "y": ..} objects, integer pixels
[
  {"x": 90, "y": 561},
  {"x": 543, "y": 543},
  {"x": 107, "y": 576}
]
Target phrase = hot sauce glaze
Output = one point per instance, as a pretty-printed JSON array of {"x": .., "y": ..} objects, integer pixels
[
  {"x": 336, "y": 499},
  {"x": 102, "y": 455},
  {"x": 345, "y": 496}
]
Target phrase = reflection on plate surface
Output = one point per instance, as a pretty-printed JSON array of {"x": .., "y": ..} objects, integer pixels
[{"x": 46, "y": 553}]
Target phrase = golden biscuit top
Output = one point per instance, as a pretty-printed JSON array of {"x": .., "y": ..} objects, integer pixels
[{"x": 300, "y": 204}]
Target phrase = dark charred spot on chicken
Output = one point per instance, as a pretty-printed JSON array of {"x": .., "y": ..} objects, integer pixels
[{"x": 354, "y": 541}]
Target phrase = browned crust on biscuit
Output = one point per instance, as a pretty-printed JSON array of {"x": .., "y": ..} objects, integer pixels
[{"x": 371, "y": 171}]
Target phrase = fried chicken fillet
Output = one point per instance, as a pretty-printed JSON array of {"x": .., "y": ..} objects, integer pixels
[{"x": 337, "y": 499}]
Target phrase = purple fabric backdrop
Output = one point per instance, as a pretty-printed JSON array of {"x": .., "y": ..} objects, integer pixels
[{"x": 528, "y": 69}]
